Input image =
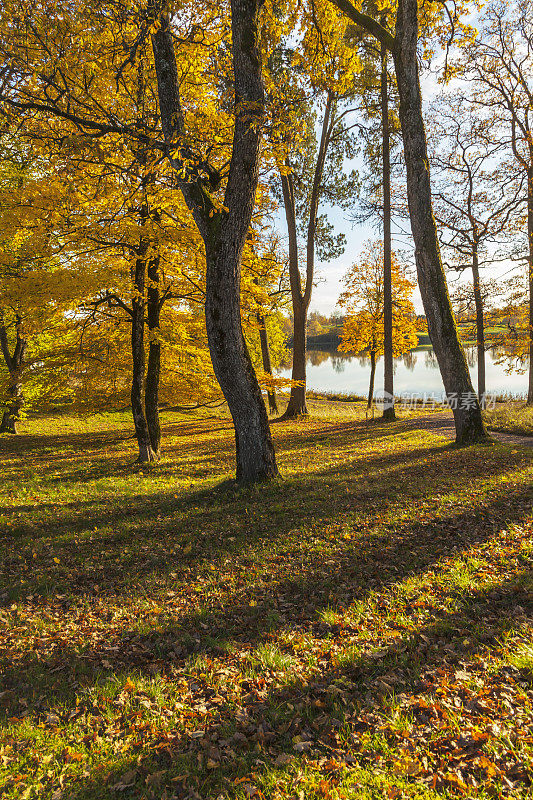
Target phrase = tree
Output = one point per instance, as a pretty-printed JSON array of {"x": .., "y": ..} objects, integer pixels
[
  {"x": 474, "y": 199},
  {"x": 224, "y": 227},
  {"x": 263, "y": 296},
  {"x": 511, "y": 340},
  {"x": 54, "y": 79},
  {"x": 388, "y": 313},
  {"x": 403, "y": 46},
  {"x": 500, "y": 65},
  {"x": 364, "y": 301},
  {"x": 13, "y": 341},
  {"x": 374, "y": 89},
  {"x": 32, "y": 283},
  {"x": 319, "y": 75},
  {"x": 14, "y": 359}
]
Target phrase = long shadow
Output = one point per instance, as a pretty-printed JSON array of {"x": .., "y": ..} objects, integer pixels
[
  {"x": 168, "y": 523},
  {"x": 334, "y": 715},
  {"x": 83, "y": 441},
  {"x": 288, "y": 598},
  {"x": 197, "y": 464},
  {"x": 375, "y": 463},
  {"x": 291, "y": 596}
]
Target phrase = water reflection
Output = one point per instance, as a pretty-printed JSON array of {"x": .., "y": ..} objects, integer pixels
[
  {"x": 338, "y": 363},
  {"x": 416, "y": 371},
  {"x": 409, "y": 359},
  {"x": 316, "y": 357},
  {"x": 430, "y": 359}
]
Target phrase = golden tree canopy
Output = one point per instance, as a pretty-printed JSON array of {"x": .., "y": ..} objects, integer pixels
[{"x": 363, "y": 300}]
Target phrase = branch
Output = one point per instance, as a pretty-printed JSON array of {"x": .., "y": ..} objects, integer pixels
[{"x": 368, "y": 23}]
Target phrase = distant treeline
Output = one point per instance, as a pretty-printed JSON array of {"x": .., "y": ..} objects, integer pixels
[{"x": 331, "y": 340}]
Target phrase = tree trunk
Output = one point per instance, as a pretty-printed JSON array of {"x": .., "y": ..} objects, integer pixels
[
  {"x": 480, "y": 328},
  {"x": 11, "y": 416},
  {"x": 530, "y": 279},
  {"x": 233, "y": 366},
  {"x": 267, "y": 365},
  {"x": 224, "y": 229},
  {"x": 153, "y": 369},
  {"x": 450, "y": 355},
  {"x": 301, "y": 299},
  {"x": 370, "y": 399},
  {"x": 15, "y": 364},
  {"x": 388, "y": 360},
  {"x": 297, "y": 405},
  {"x": 137, "y": 352},
  {"x": 9, "y": 422}
]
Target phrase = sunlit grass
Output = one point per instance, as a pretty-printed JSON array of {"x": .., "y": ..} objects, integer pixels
[
  {"x": 511, "y": 417},
  {"x": 341, "y": 633}
]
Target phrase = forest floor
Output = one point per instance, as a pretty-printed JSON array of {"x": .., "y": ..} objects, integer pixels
[{"x": 358, "y": 629}]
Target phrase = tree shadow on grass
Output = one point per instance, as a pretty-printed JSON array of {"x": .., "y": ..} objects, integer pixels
[
  {"x": 279, "y": 586},
  {"x": 339, "y": 718},
  {"x": 282, "y": 593},
  {"x": 114, "y": 547},
  {"x": 187, "y": 449}
]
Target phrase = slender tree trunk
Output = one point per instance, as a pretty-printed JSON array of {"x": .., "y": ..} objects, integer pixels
[
  {"x": 480, "y": 328},
  {"x": 388, "y": 360},
  {"x": 267, "y": 364},
  {"x": 530, "y": 279},
  {"x": 301, "y": 299},
  {"x": 297, "y": 405},
  {"x": 153, "y": 369},
  {"x": 138, "y": 357},
  {"x": 450, "y": 355},
  {"x": 15, "y": 364},
  {"x": 224, "y": 230},
  {"x": 370, "y": 399}
]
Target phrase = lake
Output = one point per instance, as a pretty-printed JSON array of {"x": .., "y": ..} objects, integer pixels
[{"x": 416, "y": 372}]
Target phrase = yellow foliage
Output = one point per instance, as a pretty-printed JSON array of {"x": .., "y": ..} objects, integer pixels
[{"x": 362, "y": 298}]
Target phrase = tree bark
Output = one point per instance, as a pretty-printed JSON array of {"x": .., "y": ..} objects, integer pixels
[
  {"x": 469, "y": 427},
  {"x": 530, "y": 279},
  {"x": 11, "y": 416},
  {"x": 146, "y": 453},
  {"x": 267, "y": 364},
  {"x": 480, "y": 328},
  {"x": 370, "y": 399},
  {"x": 153, "y": 369},
  {"x": 224, "y": 229},
  {"x": 388, "y": 360},
  {"x": 297, "y": 406},
  {"x": 15, "y": 364},
  {"x": 450, "y": 355},
  {"x": 233, "y": 367}
]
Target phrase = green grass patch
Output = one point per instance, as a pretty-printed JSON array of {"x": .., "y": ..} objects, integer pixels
[
  {"x": 511, "y": 418},
  {"x": 359, "y": 629}
]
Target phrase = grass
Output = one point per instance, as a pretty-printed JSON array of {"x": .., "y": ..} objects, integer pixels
[
  {"x": 360, "y": 629},
  {"x": 511, "y": 418}
]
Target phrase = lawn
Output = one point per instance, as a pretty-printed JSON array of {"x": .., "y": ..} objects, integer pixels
[
  {"x": 511, "y": 418},
  {"x": 359, "y": 629}
]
